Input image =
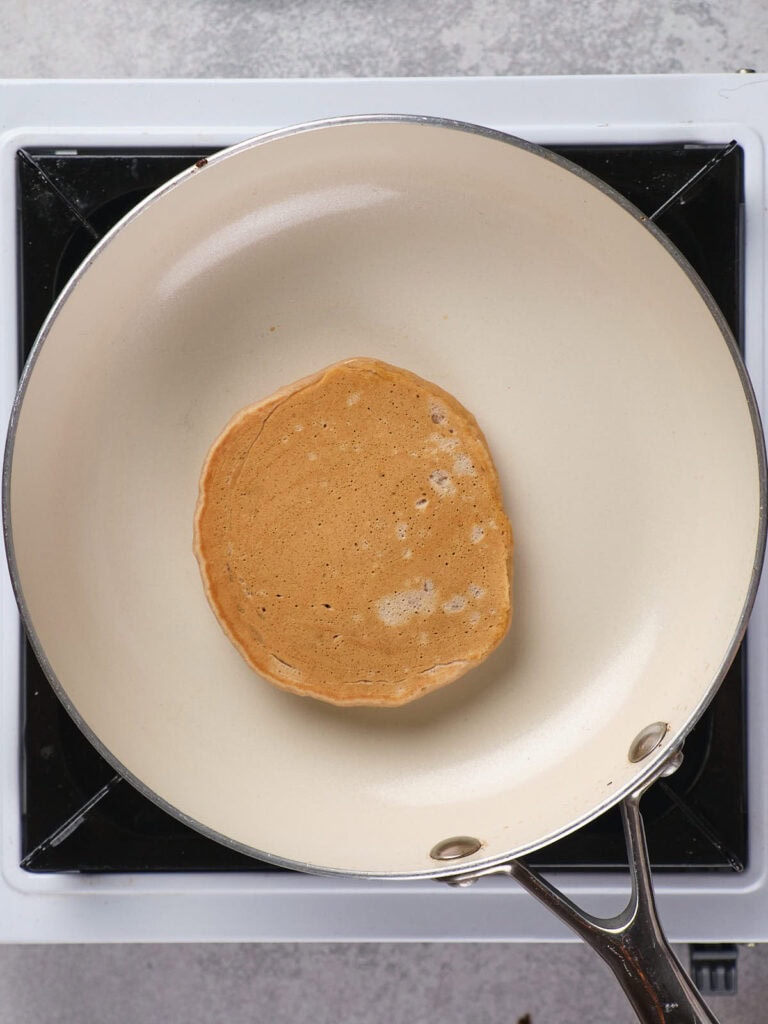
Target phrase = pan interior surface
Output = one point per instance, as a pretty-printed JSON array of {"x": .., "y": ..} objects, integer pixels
[{"x": 610, "y": 399}]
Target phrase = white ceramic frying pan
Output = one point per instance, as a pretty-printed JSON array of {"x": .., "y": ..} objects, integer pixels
[{"x": 612, "y": 397}]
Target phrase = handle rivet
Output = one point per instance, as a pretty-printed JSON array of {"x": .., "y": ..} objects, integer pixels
[
  {"x": 672, "y": 764},
  {"x": 455, "y": 848},
  {"x": 647, "y": 740}
]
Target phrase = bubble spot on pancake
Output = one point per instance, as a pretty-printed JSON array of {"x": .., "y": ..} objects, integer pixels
[
  {"x": 441, "y": 482},
  {"x": 455, "y": 604},
  {"x": 462, "y": 466},
  {"x": 398, "y": 608},
  {"x": 401, "y": 530},
  {"x": 477, "y": 533},
  {"x": 443, "y": 444},
  {"x": 437, "y": 413}
]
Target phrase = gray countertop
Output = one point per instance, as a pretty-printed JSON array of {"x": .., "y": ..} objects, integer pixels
[
  {"x": 310, "y": 38},
  {"x": 331, "y": 984}
]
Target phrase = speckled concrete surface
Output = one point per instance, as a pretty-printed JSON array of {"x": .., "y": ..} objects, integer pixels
[
  {"x": 293, "y": 38},
  {"x": 308, "y": 38},
  {"x": 372, "y": 984}
]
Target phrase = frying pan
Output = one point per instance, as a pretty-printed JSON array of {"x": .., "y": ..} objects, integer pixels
[{"x": 622, "y": 423}]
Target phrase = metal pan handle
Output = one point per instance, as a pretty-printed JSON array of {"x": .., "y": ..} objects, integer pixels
[{"x": 632, "y": 943}]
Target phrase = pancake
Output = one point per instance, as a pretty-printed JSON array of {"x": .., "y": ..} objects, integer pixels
[{"x": 352, "y": 539}]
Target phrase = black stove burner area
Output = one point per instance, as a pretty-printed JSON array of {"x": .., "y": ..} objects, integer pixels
[{"x": 78, "y": 815}]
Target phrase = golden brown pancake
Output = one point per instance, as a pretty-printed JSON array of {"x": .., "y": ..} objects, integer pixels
[{"x": 351, "y": 536}]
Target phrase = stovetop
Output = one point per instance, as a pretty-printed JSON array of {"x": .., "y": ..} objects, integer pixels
[
  {"x": 188, "y": 117},
  {"x": 79, "y": 816}
]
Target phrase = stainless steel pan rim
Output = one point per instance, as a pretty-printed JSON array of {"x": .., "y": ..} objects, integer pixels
[{"x": 653, "y": 762}]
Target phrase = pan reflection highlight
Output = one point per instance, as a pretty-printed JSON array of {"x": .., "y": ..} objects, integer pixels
[{"x": 266, "y": 222}]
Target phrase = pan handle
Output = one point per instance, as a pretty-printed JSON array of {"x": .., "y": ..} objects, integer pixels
[{"x": 632, "y": 943}]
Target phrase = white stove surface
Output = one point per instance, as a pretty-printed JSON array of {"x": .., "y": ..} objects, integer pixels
[{"x": 266, "y": 907}]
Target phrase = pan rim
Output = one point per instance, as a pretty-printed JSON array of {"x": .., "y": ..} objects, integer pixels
[{"x": 655, "y": 763}]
